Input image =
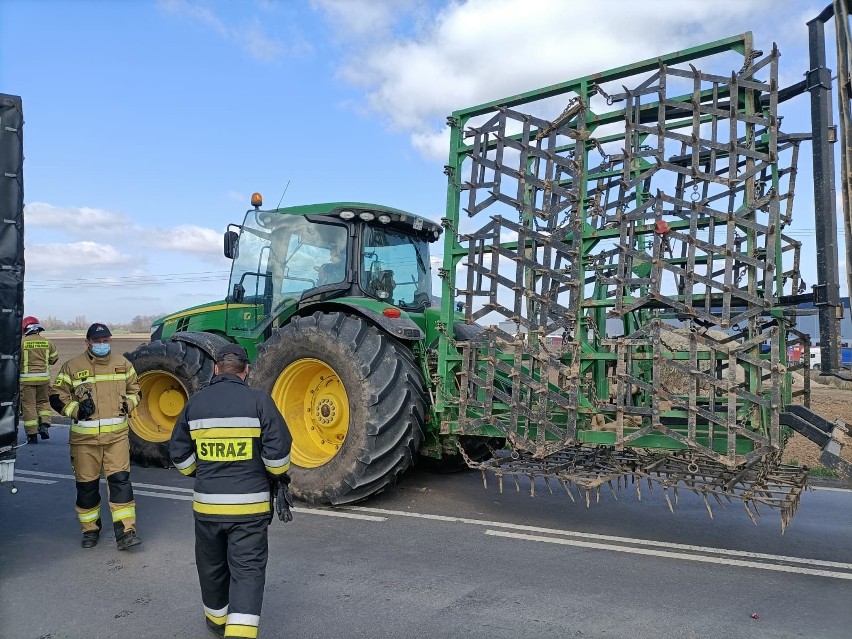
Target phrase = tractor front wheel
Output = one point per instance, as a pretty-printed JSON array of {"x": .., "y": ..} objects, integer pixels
[
  {"x": 354, "y": 401},
  {"x": 169, "y": 372}
]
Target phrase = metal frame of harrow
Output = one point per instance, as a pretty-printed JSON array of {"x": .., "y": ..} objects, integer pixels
[{"x": 569, "y": 224}]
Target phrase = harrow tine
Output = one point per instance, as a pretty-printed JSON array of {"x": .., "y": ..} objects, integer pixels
[
  {"x": 587, "y": 472},
  {"x": 567, "y": 488},
  {"x": 668, "y": 501},
  {"x": 749, "y": 513},
  {"x": 612, "y": 490},
  {"x": 707, "y": 505}
]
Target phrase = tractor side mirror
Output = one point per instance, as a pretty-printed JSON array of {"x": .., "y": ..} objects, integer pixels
[
  {"x": 239, "y": 293},
  {"x": 232, "y": 244}
]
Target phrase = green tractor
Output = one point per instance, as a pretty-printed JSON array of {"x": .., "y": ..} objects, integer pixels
[
  {"x": 333, "y": 303},
  {"x": 616, "y": 301}
]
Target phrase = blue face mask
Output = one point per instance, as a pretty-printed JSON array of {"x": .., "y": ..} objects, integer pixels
[{"x": 100, "y": 350}]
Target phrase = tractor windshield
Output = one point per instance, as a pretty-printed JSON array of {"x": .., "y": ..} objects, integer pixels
[
  {"x": 395, "y": 268},
  {"x": 282, "y": 256}
]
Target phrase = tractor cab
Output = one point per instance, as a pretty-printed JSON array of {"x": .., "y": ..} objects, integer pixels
[{"x": 297, "y": 255}]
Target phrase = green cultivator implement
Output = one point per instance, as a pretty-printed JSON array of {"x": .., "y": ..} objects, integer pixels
[
  {"x": 615, "y": 298},
  {"x": 625, "y": 233}
]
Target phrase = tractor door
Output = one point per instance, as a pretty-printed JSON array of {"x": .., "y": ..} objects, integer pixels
[{"x": 278, "y": 258}]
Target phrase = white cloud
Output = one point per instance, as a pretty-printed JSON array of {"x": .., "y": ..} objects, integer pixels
[
  {"x": 75, "y": 221},
  {"x": 73, "y": 258},
  {"x": 479, "y": 50},
  {"x": 188, "y": 238},
  {"x": 431, "y": 143},
  {"x": 257, "y": 43},
  {"x": 358, "y": 18},
  {"x": 250, "y": 35}
]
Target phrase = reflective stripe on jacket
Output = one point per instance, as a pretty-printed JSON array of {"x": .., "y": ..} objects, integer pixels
[
  {"x": 37, "y": 354},
  {"x": 232, "y": 438},
  {"x": 111, "y": 381}
]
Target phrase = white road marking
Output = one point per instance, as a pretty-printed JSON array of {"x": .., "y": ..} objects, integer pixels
[
  {"x": 31, "y": 480},
  {"x": 336, "y": 513},
  {"x": 168, "y": 490},
  {"x": 163, "y": 495},
  {"x": 622, "y": 540},
  {"x": 37, "y": 473},
  {"x": 727, "y": 554},
  {"x": 135, "y": 484},
  {"x": 158, "y": 487},
  {"x": 673, "y": 555},
  {"x": 307, "y": 511},
  {"x": 833, "y": 489}
]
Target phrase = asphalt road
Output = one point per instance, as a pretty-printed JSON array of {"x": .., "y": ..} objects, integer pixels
[{"x": 436, "y": 557}]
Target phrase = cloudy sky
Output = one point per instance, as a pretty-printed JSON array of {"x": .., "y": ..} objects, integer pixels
[{"x": 149, "y": 124}]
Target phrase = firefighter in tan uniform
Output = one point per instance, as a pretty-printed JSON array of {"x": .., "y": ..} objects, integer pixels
[
  {"x": 98, "y": 390},
  {"x": 37, "y": 354}
]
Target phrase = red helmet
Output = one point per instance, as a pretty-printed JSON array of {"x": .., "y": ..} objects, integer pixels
[{"x": 29, "y": 321}]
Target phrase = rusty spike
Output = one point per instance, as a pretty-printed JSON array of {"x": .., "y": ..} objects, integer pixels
[
  {"x": 749, "y": 513},
  {"x": 668, "y": 501},
  {"x": 707, "y": 505}
]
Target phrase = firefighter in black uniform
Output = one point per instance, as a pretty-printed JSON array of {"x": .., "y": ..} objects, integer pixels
[{"x": 235, "y": 443}]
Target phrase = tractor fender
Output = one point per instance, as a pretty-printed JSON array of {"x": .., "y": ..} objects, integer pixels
[
  {"x": 207, "y": 342},
  {"x": 402, "y": 328}
]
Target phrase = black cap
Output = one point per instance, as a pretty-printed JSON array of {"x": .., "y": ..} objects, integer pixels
[
  {"x": 235, "y": 351},
  {"x": 97, "y": 331}
]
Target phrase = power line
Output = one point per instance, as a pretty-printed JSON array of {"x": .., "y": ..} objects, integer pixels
[
  {"x": 128, "y": 280},
  {"x": 95, "y": 279}
]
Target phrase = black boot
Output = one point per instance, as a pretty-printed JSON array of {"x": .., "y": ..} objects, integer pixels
[
  {"x": 215, "y": 628},
  {"x": 42, "y": 430},
  {"x": 128, "y": 540},
  {"x": 90, "y": 539},
  {"x": 32, "y": 439}
]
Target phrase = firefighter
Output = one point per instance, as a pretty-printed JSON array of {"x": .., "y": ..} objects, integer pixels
[
  {"x": 235, "y": 443},
  {"x": 98, "y": 390},
  {"x": 37, "y": 354}
]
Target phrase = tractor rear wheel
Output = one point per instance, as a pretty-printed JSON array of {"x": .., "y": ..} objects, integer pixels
[
  {"x": 169, "y": 372},
  {"x": 354, "y": 401}
]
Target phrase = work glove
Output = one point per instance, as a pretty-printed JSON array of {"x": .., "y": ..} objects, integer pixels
[
  {"x": 125, "y": 409},
  {"x": 87, "y": 408},
  {"x": 283, "y": 498}
]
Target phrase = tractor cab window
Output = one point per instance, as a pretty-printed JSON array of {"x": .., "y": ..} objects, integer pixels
[
  {"x": 279, "y": 257},
  {"x": 395, "y": 268}
]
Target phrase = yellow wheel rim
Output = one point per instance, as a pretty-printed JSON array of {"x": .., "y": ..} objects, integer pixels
[
  {"x": 314, "y": 402},
  {"x": 163, "y": 398}
]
